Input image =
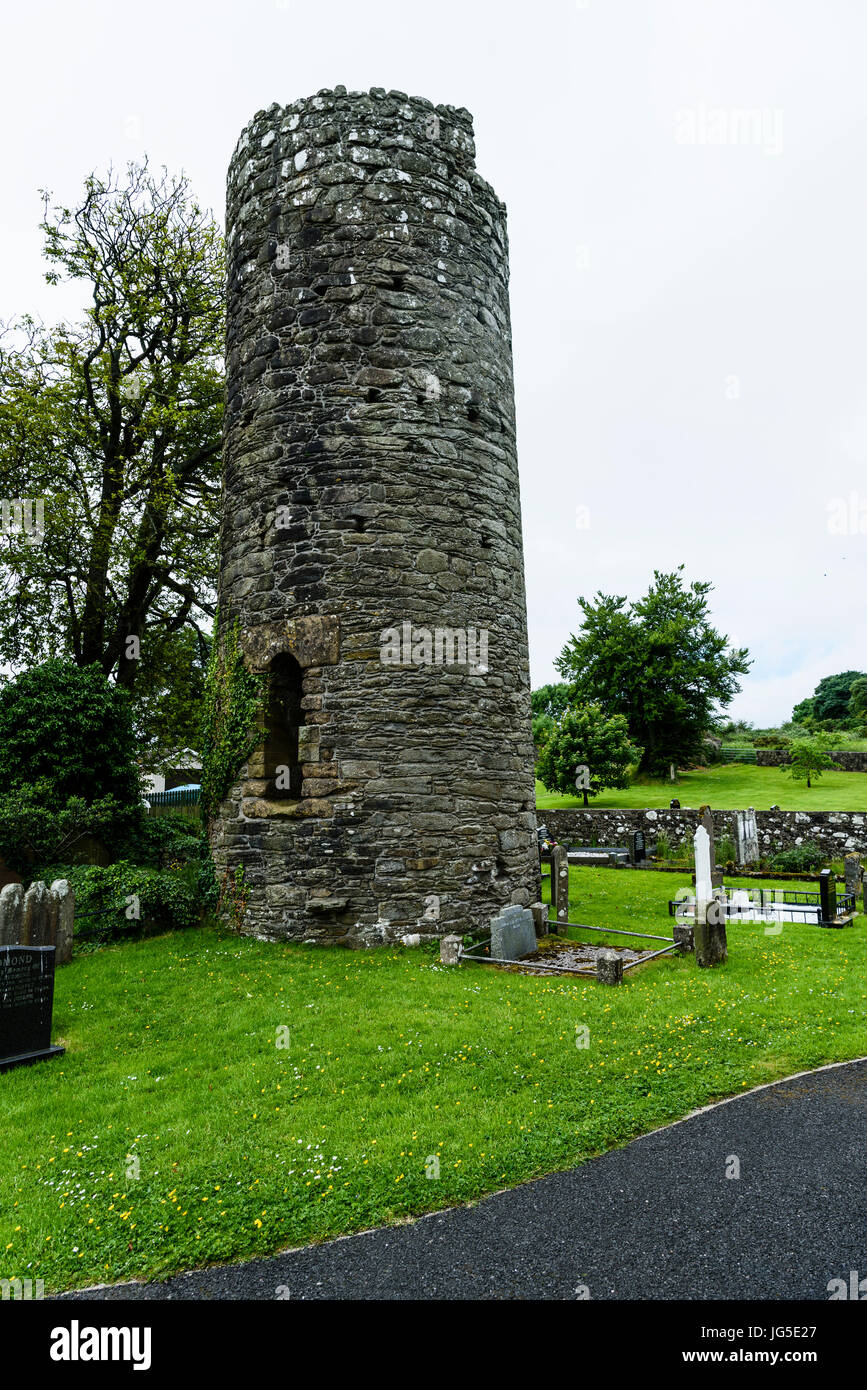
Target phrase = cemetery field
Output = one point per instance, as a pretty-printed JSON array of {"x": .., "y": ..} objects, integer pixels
[
  {"x": 728, "y": 787},
  {"x": 177, "y": 1132}
]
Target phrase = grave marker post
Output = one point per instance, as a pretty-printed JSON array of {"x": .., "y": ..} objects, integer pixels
[
  {"x": 711, "y": 945},
  {"x": 852, "y": 865},
  {"x": 609, "y": 968},
  {"x": 560, "y": 887},
  {"x": 827, "y": 897}
]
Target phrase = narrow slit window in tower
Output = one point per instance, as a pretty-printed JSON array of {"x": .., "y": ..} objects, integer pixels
[{"x": 283, "y": 719}]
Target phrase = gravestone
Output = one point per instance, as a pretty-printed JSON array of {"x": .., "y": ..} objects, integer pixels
[
  {"x": 11, "y": 914},
  {"x": 716, "y": 875},
  {"x": 40, "y": 917},
  {"x": 36, "y": 908},
  {"x": 26, "y": 1003},
  {"x": 711, "y": 946},
  {"x": 852, "y": 866},
  {"x": 61, "y": 890},
  {"x": 747, "y": 834},
  {"x": 710, "y": 931},
  {"x": 513, "y": 934},
  {"x": 674, "y": 805},
  {"x": 703, "y": 878},
  {"x": 827, "y": 898},
  {"x": 639, "y": 848}
]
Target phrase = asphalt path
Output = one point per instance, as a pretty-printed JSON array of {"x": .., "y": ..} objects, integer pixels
[{"x": 658, "y": 1219}]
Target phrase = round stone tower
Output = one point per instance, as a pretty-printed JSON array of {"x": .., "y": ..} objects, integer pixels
[{"x": 372, "y": 562}]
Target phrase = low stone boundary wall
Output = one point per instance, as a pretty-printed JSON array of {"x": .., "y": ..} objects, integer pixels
[
  {"x": 849, "y": 759},
  {"x": 40, "y": 917},
  {"x": 833, "y": 831}
]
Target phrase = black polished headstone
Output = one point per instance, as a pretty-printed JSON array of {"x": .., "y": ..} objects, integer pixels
[
  {"x": 26, "y": 1003},
  {"x": 638, "y": 848},
  {"x": 827, "y": 898}
]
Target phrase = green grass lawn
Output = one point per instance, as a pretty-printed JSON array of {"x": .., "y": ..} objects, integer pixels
[
  {"x": 244, "y": 1147},
  {"x": 729, "y": 787}
]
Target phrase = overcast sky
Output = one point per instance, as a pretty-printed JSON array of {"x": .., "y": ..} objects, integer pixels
[{"x": 686, "y": 183}]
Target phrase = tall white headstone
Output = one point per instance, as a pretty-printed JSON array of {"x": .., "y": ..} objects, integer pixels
[
  {"x": 747, "y": 836},
  {"x": 703, "y": 880}
]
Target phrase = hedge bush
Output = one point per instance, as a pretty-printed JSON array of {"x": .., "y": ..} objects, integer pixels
[
  {"x": 127, "y": 899},
  {"x": 799, "y": 859}
]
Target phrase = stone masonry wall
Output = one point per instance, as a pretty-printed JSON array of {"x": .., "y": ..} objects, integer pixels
[
  {"x": 849, "y": 759},
  {"x": 371, "y": 481},
  {"x": 833, "y": 831}
]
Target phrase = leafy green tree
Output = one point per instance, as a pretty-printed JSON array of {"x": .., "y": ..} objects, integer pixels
[
  {"x": 832, "y": 694},
  {"x": 548, "y": 703},
  {"x": 809, "y": 758},
  {"x": 115, "y": 423},
  {"x": 804, "y": 712},
  {"x": 69, "y": 729},
  {"x": 67, "y": 764},
  {"x": 659, "y": 663},
  {"x": 587, "y": 751},
  {"x": 168, "y": 696},
  {"x": 858, "y": 699}
]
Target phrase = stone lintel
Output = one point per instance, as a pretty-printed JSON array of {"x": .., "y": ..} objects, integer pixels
[{"x": 313, "y": 641}]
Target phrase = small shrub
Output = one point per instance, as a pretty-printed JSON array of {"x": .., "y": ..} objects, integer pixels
[
  {"x": 800, "y": 859},
  {"x": 126, "y": 899},
  {"x": 663, "y": 846},
  {"x": 726, "y": 853}
]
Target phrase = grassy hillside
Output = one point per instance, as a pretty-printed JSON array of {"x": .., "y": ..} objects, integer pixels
[{"x": 731, "y": 786}]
